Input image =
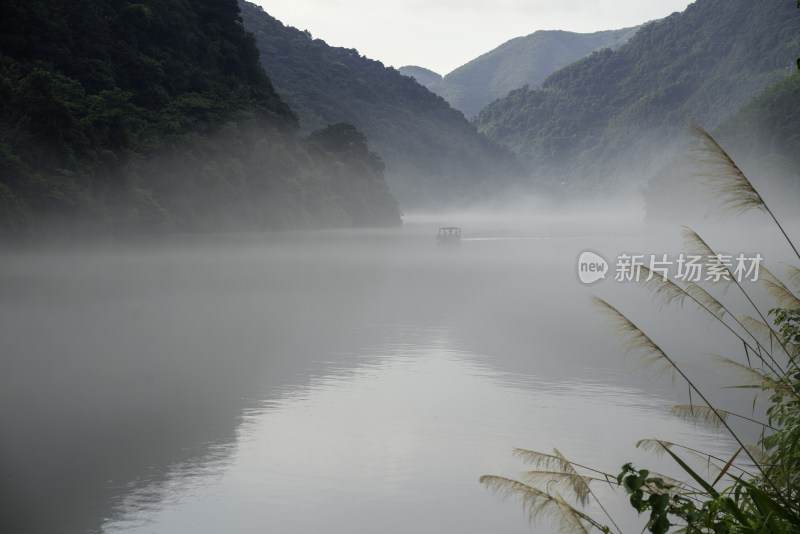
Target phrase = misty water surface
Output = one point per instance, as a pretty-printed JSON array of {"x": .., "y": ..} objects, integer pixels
[{"x": 346, "y": 381}]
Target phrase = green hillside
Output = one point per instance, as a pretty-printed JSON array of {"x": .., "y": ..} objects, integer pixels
[
  {"x": 762, "y": 138},
  {"x": 766, "y": 131},
  {"x": 422, "y": 76},
  {"x": 120, "y": 116},
  {"x": 522, "y": 61},
  {"x": 612, "y": 117},
  {"x": 433, "y": 155}
]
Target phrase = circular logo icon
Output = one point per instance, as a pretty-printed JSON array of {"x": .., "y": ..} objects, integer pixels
[{"x": 592, "y": 267}]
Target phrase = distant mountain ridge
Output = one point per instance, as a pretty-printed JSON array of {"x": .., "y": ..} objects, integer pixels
[
  {"x": 613, "y": 117},
  {"x": 423, "y": 76},
  {"x": 521, "y": 61},
  {"x": 433, "y": 155}
]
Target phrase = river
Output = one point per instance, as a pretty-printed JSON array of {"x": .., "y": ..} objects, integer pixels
[{"x": 344, "y": 381}]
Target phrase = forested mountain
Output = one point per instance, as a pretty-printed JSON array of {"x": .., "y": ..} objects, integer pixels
[
  {"x": 522, "y": 61},
  {"x": 433, "y": 155},
  {"x": 423, "y": 76},
  {"x": 610, "y": 117},
  {"x": 766, "y": 131},
  {"x": 122, "y": 116},
  {"x": 762, "y": 138}
]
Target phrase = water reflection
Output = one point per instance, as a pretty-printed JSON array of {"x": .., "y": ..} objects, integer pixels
[
  {"x": 396, "y": 443},
  {"x": 346, "y": 381}
]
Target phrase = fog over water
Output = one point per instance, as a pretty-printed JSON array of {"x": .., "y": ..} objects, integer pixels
[{"x": 345, "y": 380}]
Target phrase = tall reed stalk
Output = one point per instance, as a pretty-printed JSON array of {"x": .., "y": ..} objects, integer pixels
[{"x": 761, "y": 481}]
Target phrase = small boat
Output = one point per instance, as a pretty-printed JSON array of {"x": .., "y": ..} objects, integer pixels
[{"x": 449, "y": 235}]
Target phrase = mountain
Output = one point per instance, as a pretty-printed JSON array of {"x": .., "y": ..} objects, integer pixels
[
  {"x": 118, "y": 116},
  {"x": 423, "y": 76},
  {"x": 615, "y": 117},
  {"x": 762, "y": 138},
  {"x": 433, "y": 155},
  {"x": 766, "y": 131},
  {"x": 522, "y": 61}
]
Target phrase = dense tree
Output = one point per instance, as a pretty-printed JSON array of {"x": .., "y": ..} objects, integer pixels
[
  {"x": 607, "y": 119},
  {"x": 762, "y": 138},
  {"x": 433, "y": 155},
  {"x": 119, "y": 116},
  {"x": 358, "y": 173},
  {"x": 521, "y": 61}
]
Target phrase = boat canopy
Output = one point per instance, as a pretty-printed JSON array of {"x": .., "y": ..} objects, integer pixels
[{"x": 449, "y": 230}]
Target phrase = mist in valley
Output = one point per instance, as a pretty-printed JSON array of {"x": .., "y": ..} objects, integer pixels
[
  {"x": 254, "y": 282},
  {"x": 351, "y": 379}
]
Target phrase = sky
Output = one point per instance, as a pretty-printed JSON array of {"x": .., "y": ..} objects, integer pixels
[{"x": 442, "y": 35}]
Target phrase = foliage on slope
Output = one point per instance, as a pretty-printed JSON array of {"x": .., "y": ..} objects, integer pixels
[
  {"x": 433, "y": 155},
  {"x": 519, "y": 62},
  {"x": 151, "y": 116},
  {"x": 595, "y": 119},
  {"x": 422, "y": 75},
  {"x": 766, "y": 132},
  {"x": 762, "y": 138}
]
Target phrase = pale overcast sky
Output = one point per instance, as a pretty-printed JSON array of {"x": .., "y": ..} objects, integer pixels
[{"x": 444, "y": 34}]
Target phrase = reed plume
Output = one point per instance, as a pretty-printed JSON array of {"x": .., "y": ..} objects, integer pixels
[
  {"x": 539, "y": 504},
  {"x": 712, "y": 464},
  {"x": 636, "y": 342},
  {"x": 768, "y": 338},
  {"x": 784, "y": 298},
  {"x": 706, "y": 301},
  {"x": 706, "y": 416},
  {"x": 697, "y": 244},
  {"x": 754, "y": 377},
  {"x": 561, "y": 470},
  {"x": 727, "y": 182},
  {"x": 665, "y": 292},
  {"x": 793, "y": 274},
  {"x": 723, "y": 177},
  {"x": 700, "y": 414},
  {"x": 658, "y": 447},
  {"x": 735, "y": 195},
  {"x": 556, "y": 471}
]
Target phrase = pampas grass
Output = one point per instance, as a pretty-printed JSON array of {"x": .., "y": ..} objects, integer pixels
[
  {"x": 793, "y": 274},
  {"x": 723, "y": 178},
  {"x": 666, "y": 292},
  {"x": 763, "y": 489},
  {"x": 650, "y": 355},
  {"x": 726, "y": 181},
  {"x": 700, "y": 414},
  {"x": 539, "y": 504},
  {"x": 784, "y": 298},
  {"x": 696, "y": 244},
  {"x": 636, "y": 342},
  {"x": 754, "y": 377},
  {"x": 704, "y": 415}
]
